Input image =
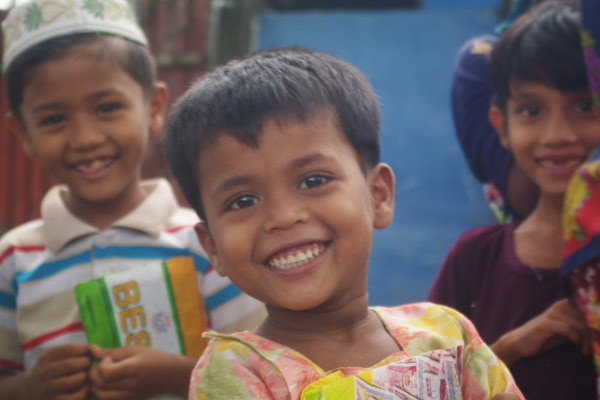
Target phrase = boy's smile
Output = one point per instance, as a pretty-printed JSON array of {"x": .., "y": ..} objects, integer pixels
[
  {"x": 290, "y": 222},
  {"x": 549, "y": 132},
  {"x": 88, "y": 122}
]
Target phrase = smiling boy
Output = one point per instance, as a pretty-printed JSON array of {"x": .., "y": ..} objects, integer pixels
[
  {"x": 279, "y": 154},
  {"x": 84, "y": 99}
]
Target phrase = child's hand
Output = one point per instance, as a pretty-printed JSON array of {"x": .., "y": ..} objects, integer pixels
[
  {"x": 136, "y": 372},
  {"x": 61, "y": 372},
  {"x": 561, "y": 322}
]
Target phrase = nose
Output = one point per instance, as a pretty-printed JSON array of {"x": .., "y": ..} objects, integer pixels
[
  {"x": 559, "y": 130},
  {"x": 85, "y": 134},
  {"x": 284, "y": 211}
]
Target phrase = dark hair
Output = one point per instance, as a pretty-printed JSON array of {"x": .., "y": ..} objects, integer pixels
[
  {"x": 235, "y": 99},
  {"x": 544, "y": 46},
  {"x": 134, "y": 58}
]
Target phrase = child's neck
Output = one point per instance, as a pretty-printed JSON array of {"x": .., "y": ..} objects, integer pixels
[
  {"x": 538, "y": 239},
  {"x": 103, "y": 215},
  {"x": 349, "y": 336}
]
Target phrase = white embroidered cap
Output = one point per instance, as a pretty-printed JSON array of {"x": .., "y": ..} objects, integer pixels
[{"x": 37, "y": 21}]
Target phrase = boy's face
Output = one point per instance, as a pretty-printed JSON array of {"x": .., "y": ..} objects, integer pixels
[
  {"x": 550, "y": 133},
  {"x": 87, "y": 121},
  {"x": 291, "y": 221}
]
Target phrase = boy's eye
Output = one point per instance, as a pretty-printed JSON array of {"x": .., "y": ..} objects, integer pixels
[
  {"x": 313, "y": 181},
  {"x": 585, "y": 106},
  {"x": 108, "y": 107},
  {"x": 52, "y": 120},
  {"x": 529, "y": 110},
  {"x": 243, "y": 201}
]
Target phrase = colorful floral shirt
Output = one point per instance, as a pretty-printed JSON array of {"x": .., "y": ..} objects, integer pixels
[{"x": 247, "y": 366}]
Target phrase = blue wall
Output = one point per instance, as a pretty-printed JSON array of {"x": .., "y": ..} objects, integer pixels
[
  {"x": 447, "y": 4},
  {"x": 408, "y": 56}
]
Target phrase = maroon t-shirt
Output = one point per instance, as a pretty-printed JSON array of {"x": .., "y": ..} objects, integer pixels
[{"x": 482, "y": 278}]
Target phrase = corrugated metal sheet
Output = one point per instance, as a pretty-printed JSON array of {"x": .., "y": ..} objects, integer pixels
[{"x": 177, "y": 30}]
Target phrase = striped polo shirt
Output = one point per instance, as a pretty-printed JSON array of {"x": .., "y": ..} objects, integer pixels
[{"x": 42, "y": 260}]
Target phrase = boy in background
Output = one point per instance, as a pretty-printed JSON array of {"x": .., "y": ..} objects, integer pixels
[
  {"x": 505, "y": 278},
  {"x": 84, "y": 99}
]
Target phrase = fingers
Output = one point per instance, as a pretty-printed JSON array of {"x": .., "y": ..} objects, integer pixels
[
  {"x": 110, "y": 374},
  {"x": 61, "y": 372},
  {"x": 80, "y": 394},
  {"x": 565, "y": 318},
  {"x": 116, "y": 354},
  {"x": 67, "y": 383},
  {"x": 64, "y": 367},
  {"x": 586, "y": 334},
  {"x": 64, "y": 351}
]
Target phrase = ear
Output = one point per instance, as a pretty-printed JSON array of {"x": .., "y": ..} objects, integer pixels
[
  {"x": 498, "y": 121},
  {"x": 158, "y": 107},
  {"x": 381, "y": 184},
  {"x": 16, "y": 127},
  {"x": 209, "y": 245}
]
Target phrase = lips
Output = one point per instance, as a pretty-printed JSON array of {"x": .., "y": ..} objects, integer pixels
[{"x": 296, "y": 256}]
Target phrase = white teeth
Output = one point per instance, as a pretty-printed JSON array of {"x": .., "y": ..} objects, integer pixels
[
  {"x": 566, "y": 164},
  {"x": 94, "y": 164},
  {"x": 294, "y": 260}
]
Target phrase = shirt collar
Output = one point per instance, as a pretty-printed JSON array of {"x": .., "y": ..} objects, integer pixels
[{"x": 150, "y": 216}]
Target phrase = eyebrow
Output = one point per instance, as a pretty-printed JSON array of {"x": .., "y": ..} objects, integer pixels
[
  {"x": 246, "y": 179},
  {"x": 308, "y": 159},
  {"x": 94, "y": 97}
]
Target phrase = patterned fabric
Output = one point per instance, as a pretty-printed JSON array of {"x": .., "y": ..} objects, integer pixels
[
  {"x": 247, "y": 366},
  {"x": 40, "y": 20},
  {"x": 581, "y": 215},
  {"x": 41, "y": 261}
]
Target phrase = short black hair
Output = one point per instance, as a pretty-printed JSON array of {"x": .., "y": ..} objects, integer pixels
[
  {"x": 135, "y": 59},
  {"x": 236, "y": 98},
  {"x": 544, "y": 46}
]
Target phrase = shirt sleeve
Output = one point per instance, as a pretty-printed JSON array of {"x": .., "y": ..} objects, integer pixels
[
  {"x": 11, "y": 356},
  {"x": 230, "y": 370},
  {"x": 483, "y": 374},
  {"x": 471, "y": 95}
]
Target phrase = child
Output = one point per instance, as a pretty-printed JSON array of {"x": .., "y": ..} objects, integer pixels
[
  {"x": 279, "y": 155},
  {"x": 509, "y": 192},
  {"x": 506, "y": 278},
  {"x": 84, "y": 100}
]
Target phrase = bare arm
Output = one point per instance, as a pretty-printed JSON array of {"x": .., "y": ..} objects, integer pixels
[{"x": 560, "y": 323}]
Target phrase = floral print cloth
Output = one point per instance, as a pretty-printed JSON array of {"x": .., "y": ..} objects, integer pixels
[
  {"x": 581, "y": 214},
  {"x": 247, "y": 366}
]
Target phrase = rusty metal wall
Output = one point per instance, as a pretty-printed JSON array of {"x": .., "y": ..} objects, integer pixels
[{"x": 177, "y": 31}]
